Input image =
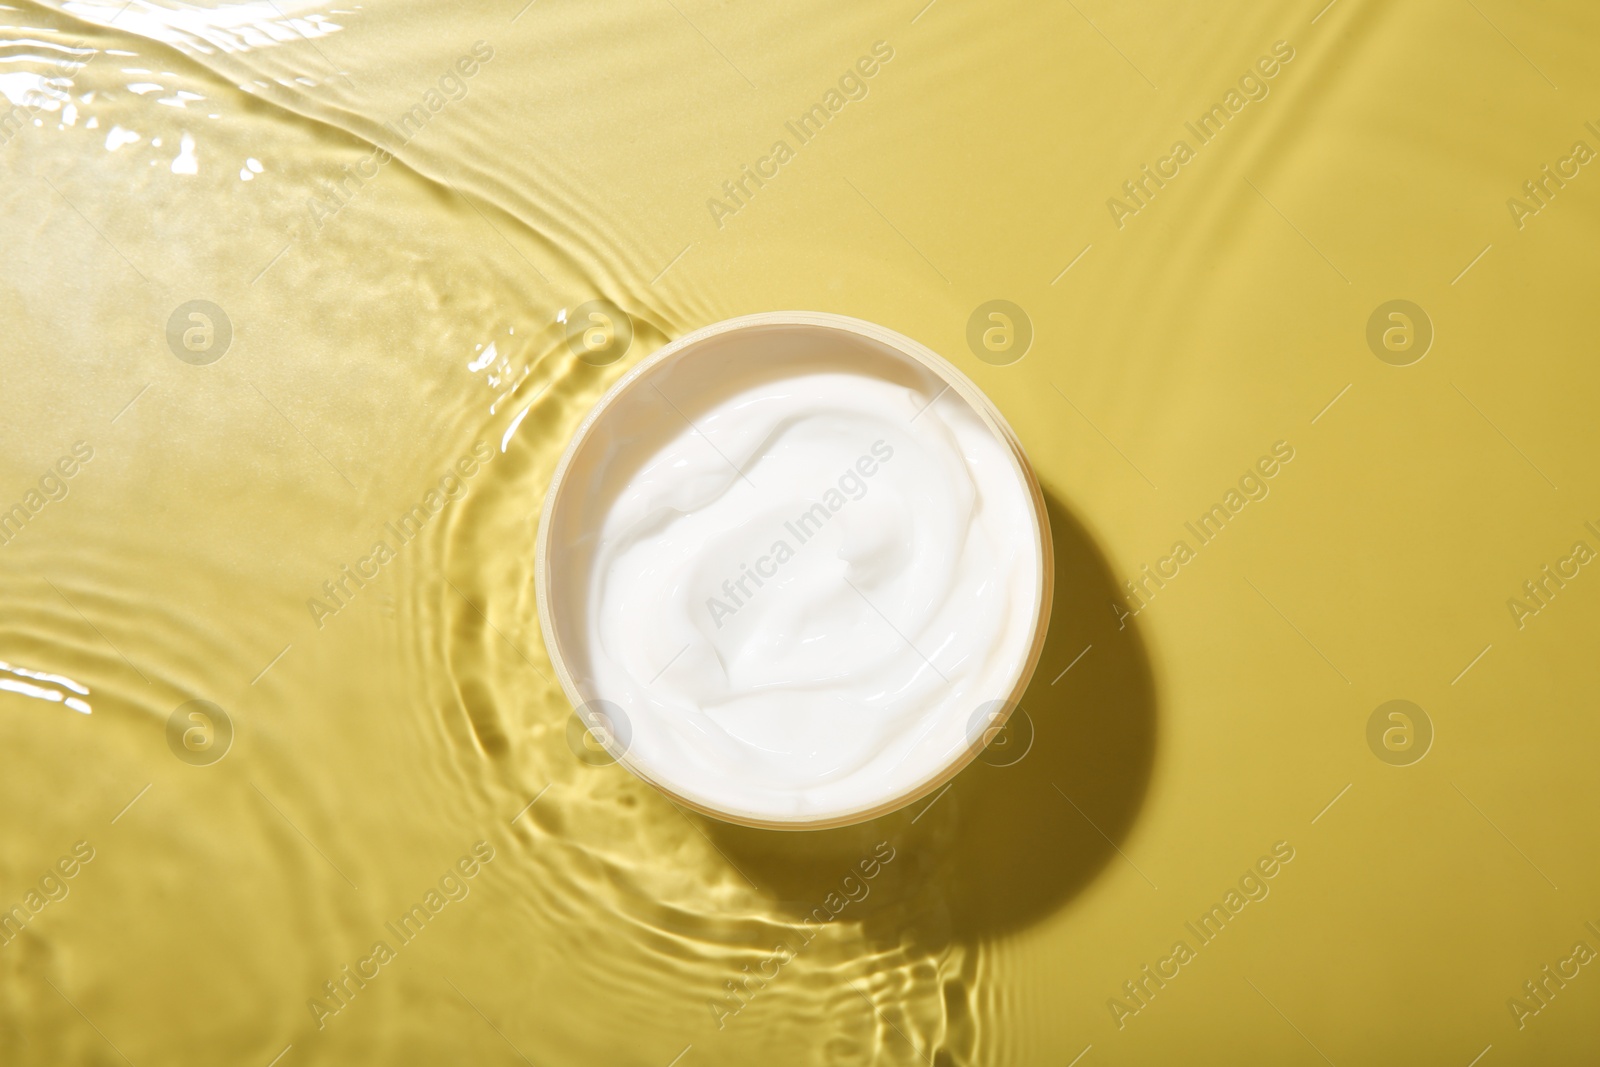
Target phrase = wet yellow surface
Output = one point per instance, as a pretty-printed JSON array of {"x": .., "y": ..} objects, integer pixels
[{"x": 1298, "y": 333}]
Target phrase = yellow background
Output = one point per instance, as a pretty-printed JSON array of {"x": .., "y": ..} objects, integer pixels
[{"x": 1229, "y": 313}]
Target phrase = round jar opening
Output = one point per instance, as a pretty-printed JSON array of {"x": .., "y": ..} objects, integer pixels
[{"x": 793, "y": 570}]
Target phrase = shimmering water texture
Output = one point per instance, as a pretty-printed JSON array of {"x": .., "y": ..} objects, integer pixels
[{"x": 301, "y": 304}]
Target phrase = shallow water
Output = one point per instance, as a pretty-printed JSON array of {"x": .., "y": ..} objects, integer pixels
[{"x": 372, "y": 322}]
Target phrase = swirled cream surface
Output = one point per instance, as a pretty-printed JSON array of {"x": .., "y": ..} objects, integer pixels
[{"x": 794, "y": 580}]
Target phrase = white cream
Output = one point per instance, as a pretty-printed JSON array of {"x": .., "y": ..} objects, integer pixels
[{"x": 799, "y": 589}]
